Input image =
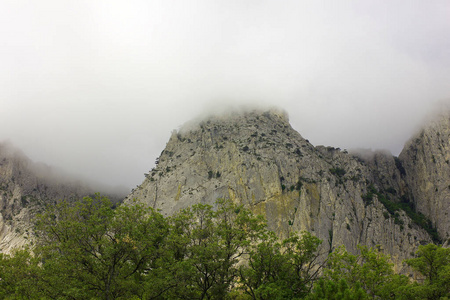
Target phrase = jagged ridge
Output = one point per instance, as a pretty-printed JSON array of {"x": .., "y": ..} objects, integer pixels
[{"x": 257, "y": 159}]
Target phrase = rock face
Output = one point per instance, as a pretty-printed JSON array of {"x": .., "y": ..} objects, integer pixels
[
  {"x": 255, "y": 158},
  {"x": 426, "y": 162},
  {"x": 25, "y": 189}
]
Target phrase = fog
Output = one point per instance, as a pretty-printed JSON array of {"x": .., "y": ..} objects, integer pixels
[{"x": 96, "y": 87}]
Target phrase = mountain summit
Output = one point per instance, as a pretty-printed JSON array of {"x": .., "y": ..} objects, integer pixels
[
  {"x": 257, "y": 159},
  {"x": 426, "y": 162}
]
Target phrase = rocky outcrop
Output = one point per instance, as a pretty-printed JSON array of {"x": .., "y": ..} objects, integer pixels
[
  {"x": 426, "y": 163},
  {"x": 26, "y": 188},
  {"x": 255, "y": 158}
]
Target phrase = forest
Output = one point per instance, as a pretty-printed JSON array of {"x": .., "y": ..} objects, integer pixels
[{"x": 93, "y": 249}]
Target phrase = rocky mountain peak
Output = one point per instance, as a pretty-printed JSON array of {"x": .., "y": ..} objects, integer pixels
[
  {"x": 235, "y": 116},
  {"x": 426, "y": 162},
  {"x": 257, "y": 159}
]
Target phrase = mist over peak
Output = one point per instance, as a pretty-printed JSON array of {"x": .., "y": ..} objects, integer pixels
[
  {"x": 52, "y": 175},
  {"x": 96, "y": 89},
  {"x": 232, "y": 112}
]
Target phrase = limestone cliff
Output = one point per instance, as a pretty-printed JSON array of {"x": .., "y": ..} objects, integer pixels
[
  {"x": 26, "y": 188},
  {"x": 257, "y": 159},
  {"x": 426, "y": 163}
]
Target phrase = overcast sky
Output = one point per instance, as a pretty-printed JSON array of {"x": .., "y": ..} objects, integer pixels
[{"x": 96, "y": 87}]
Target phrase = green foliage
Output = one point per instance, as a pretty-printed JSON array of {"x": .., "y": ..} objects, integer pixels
[
  {"x": 370, "y": 270},
  {"x": 20, "y": 274},
  {"x": 92, "y": 250},
  {"x": 338, "y": 171},
  {"x": 368, "y": 198},
  {"x": 331, "y": 290},
  {"x": 88, "y": 250},
  {"x": 393, "y": 208},
  {"x": 211, "y": 174},
  {"x": 399, "y": 166},
  {"x": 24, "y": 200},
  {"x": 433, "y": 263},
  {"x": 283, "y": 270},
  {"x": 209, "y": 243},
  {"x": 299, "y": 185},
  {"x": 391, "y": 190},
  {"x": 419, "y": 219}
]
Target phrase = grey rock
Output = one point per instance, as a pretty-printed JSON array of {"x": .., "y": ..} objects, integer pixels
[
  {"x": 26, "y": 189},
  {"x": 256, "y": 159},
  {"x": 426, "y": 163}
]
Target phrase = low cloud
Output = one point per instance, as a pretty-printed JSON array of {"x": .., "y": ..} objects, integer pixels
[{"x": 97, "y": 87}]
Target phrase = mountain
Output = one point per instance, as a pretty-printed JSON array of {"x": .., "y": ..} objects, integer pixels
[
  {"x": 426, "y": 163},
  {"x": 26, "y": 188},
  {"x": 257, "y": 159}
]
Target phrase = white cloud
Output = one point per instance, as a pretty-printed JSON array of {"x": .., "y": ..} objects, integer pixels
[{"x": 97, "y": 86}]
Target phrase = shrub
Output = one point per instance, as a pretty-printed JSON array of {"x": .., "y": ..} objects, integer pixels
[{"x": 338, "y": 171}]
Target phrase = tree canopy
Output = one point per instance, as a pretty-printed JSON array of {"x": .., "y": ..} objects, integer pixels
[{"x": 91, "y": 249}]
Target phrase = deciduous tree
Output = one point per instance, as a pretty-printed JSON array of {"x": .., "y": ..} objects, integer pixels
[
  {"x": 90, "y": 250},
  {"x": 433, "y": 264}
]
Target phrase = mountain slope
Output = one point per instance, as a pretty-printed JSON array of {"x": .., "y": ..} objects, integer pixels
[
  {"x": 257, "y": 159},
  {"x": 25, "y": 189},
  {"x": 426, "y": 162}
]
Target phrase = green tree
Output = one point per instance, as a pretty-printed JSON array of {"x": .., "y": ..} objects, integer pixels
[
  {"x": 370, "y": 270},
  {"x": 262, "y": 276},
  {"x": 433, "y": 264},
  {"x": 19, "y": 276},
  {"x": 285, "y": 270},
  {"x": 331, "y": 290},
  {"x": 209, "y": 243},
  {"x": 89, "y": 250}
]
